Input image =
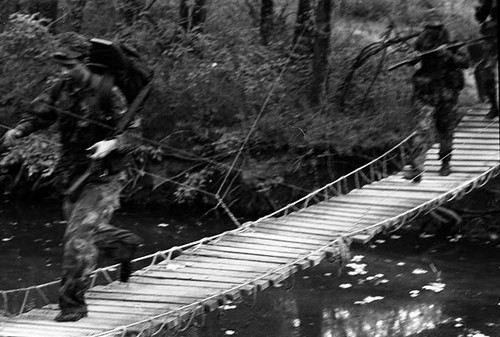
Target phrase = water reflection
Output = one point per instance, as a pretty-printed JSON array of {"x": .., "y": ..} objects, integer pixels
[{"x": 380, "y": 322}]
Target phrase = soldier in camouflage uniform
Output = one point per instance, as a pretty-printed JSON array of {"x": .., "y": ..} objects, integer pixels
[
  {"x": 485, "y": 71},
  {"x": 436, "y": 87},
  {"x": 87, "y": 107}
]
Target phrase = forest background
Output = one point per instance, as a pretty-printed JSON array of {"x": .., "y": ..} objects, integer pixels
[{"x": 257, "y": 102}]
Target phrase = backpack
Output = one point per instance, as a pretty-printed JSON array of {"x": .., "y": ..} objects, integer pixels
[{"x": 128, "y": 72}]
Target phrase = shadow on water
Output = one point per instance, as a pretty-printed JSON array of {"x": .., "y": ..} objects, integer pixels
[{"x": 402, "y": 285}]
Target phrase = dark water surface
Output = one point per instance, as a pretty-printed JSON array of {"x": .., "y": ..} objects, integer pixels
[{"x": 406, "y": 284}]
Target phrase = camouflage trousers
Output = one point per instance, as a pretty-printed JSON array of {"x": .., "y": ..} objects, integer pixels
[
  {"x": 438, "y": 117},
  {"x": 87, "y": 232},
  {"x": 485, "y": 74}
]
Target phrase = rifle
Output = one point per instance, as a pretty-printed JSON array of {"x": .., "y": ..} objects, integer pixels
[
  {"x": 124, "y": 121},
  {"x": 417, "y": 58}
]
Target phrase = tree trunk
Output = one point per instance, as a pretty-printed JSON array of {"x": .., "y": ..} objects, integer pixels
[
  {"x": 321, "y": 47},
  {"x": 302, "y": 38},
  {"x": 266, "y": 20},
  {"x": 130, "y": 9},
  {"x": 192, "y": 17},
  {"x": 46, "y": 8},
  {"x": 75, "y": 14}
]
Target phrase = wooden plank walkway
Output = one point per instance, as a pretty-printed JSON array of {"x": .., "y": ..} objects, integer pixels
[{"x": 239, "y": 263}]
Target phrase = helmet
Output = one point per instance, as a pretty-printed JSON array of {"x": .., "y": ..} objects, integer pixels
[{"x": 433, "y": 19}]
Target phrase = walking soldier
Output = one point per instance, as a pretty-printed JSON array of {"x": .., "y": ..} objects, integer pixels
[
  {"x": 436, "y": 87},
  {"x": 88, "y": 107}
]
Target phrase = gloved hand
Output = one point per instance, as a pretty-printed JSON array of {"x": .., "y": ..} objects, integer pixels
[
  {"x": 10, "y": 137},
  {"x": 102, "y": 149}
]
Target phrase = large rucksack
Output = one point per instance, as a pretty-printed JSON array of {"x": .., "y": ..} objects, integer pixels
[{"x": 129, "y": 73}]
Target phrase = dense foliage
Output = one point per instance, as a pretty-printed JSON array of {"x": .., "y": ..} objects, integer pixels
[{"x": 220, "y": 94}]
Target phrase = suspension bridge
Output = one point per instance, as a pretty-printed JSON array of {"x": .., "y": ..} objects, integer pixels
[{"x": 171, "y": 288}]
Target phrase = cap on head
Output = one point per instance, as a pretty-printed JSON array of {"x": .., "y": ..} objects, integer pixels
[
  {"x": 66, "y": 58},
  {"x": 74, "y": 48},
  {"x": 433, "y": 19}
]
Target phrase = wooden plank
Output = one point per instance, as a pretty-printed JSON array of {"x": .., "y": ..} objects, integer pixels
[
  {"x": 297, "y": 236},
  {"x": 255, "y": 249},
  {"x": 305, "y": 227},
  {"x": 314, "y": 225},
  {"x": 164, "y": 290},
  {"x": 332, "y": 205},
  {"x": 239, "y": 256},
  {"x": 355, "y": 213},
  {"x": 340, "y": 216},
  {"x": 157, "y": 298},
  {"x": 279, "y": 238},
  {"x": 374, "y": 201},
  {"x": 225, "y": 263},
  {"x": 396, "y": 193},
  {"x": 285, "y": 251},
  {"x": 271, "y": 243},
  {"x": 203, "y": 275},
  {"x": 143, "y": 280}
]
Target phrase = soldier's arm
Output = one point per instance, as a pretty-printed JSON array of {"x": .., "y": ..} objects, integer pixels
[
  {"x": 125, "y": 140},
  {"x": 42, "y": 113},
  {"x": 483, "y": 10}
]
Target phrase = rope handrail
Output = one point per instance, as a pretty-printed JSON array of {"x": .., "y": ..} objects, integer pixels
[{"x": 340, "y": 180}]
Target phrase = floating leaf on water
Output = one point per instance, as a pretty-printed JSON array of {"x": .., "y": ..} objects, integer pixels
[
  {"x": 345, "y": 285},
  {"x": 369, "y": 299},
  {"x": 426, "y": 235},
  {"x": 419, "y": 271},
  {"x": 434, "y": 286},
  {"x": 163, "y": 225},
  {"x": 456, "y": 238}
]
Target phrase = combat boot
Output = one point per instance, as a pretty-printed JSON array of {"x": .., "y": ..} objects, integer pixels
[
  {"x": 414, "y": 175},
  {"x": 445, "y": 168},
  {"x": 492, "y": 114},
  {"x": 70, "y": 316}
]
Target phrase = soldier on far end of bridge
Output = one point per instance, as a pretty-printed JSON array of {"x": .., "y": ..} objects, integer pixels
[{"x": 436, "y": 87}]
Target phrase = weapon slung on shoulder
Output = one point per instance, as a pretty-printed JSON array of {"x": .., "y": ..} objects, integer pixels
[
  {"x": 126, "y": 119},
  {"x": 417, "y": 58}
]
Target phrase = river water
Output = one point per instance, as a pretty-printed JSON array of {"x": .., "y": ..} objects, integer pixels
[{"x": 408, "y": 283}]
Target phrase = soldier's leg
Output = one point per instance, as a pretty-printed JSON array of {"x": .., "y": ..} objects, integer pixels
[
  {"x": 490, "y": 84},
  {"x": 447, "y": 119},
  {"x": 120, "y": 243},
  {"x": 80, "y": 256},
  {"x": 421, "y": 142},
  {"x": 479, "y": 79}
]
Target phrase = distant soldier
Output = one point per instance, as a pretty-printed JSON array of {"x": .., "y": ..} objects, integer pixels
[
  {"x": 485, "y": 71},
  {"x": 436, "y": 87},
  {"x": 87, "y": 106}
]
